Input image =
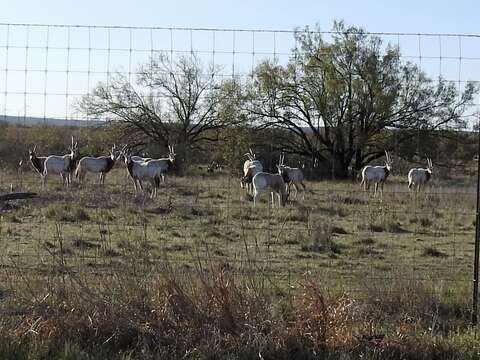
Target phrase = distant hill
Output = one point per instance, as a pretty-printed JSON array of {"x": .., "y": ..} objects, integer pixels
[{"x": 29, "y": 121}]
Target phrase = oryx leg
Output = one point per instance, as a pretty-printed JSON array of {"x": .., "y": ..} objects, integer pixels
[
  {"x": 304, "y": 190},
  {"x": 154, "y": 189},
  {"x": 366, "y": 185},
  {"x": 255, "y": 197},
  {"x": 296, "y": 190},
  {"x": 135, "y": 186}
]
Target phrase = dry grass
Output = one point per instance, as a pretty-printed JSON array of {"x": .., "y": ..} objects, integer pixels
[
  {"x": 215, "y": 315},
  {"x": 200, "y": 274}
]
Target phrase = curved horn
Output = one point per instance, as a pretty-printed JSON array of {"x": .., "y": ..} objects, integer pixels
[{"x": 387, "y": 156}]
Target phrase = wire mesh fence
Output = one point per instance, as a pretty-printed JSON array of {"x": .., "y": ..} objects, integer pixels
[
  {"x": 346, "y": 237},
  {"x": 350, "y": 239},
  {"x": 45, "y": 69}
]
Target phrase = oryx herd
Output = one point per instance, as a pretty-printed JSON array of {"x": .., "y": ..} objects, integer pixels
[
  {"x": 138, "y": 168},
  {"x": 255, "y": 180},
  {"x": 417, "y": 177}
]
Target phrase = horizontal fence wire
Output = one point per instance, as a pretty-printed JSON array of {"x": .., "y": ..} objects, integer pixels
[
  {"x": 199, "y": 223},
  {"x": 42, "y": 63}
]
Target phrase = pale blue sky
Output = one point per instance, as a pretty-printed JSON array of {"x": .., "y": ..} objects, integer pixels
[
  {"x": 46, "y": 83},
  {"x": 443, "y": 16}
]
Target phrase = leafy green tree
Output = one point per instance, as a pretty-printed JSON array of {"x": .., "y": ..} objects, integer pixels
[{"x": 346, "y": 101}]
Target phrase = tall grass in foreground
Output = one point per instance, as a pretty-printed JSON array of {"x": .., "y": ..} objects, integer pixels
[
  {"x": 121, "y": 278},
  {"x": 208, "y": 313}
]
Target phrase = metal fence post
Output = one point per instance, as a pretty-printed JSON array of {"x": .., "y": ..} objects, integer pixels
[{"x": 477, "y": 243}]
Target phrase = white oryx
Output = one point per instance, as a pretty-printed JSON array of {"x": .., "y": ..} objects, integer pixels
[
  {"x": 377, "y": 174},
  {"x": 273, "y": 183},
  {"x": 151, "y": 170},
  {"x": 295, "y": 176},
  {"x": 102, "y": 165},
  {"x": 140, "y": 159},
  {"x": 62, "y": 165},
  {"x": 417, "y": 177},
  {"x": 38, "y": 162},
  {"x": 250, "y": 168}
]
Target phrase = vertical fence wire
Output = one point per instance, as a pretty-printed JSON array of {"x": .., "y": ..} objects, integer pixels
[{"x": 236, "y": 54}]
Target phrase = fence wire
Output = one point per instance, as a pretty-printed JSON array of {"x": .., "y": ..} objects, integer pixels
[
  {"x": 46, "y": 69},
  {"x": 350, "y": 239}
]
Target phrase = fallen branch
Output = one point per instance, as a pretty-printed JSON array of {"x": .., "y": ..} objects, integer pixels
[{"x": 16, "y": 196}]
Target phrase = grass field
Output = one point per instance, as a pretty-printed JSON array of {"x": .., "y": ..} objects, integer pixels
[
  {"x": 403, "y": 248},
  {"x": 337, "y": 231}
]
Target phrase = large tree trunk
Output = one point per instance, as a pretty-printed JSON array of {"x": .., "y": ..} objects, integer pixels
[{"x": 339, "y": 166}]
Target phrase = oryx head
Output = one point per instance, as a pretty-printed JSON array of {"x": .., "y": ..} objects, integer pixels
[
  {"x": 127, "y": 156},
  {"x": 122, "y": 153},
  {"x": 171, "y": 153},
  {"x": 73, "y": 148},
  {"x": 388, "y": 161},
  {"x": 250, "y": 155},
  {"x": 113, "y": 152},
  {"x": 429, "y": 165},
  {"x": 32, "y": 153},
  {"x": 281, "y": 164}
]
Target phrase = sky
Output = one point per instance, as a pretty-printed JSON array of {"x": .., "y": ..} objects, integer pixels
[
  {"x": 439, "y": 16},
  {"x": 39, "y": 82}
]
